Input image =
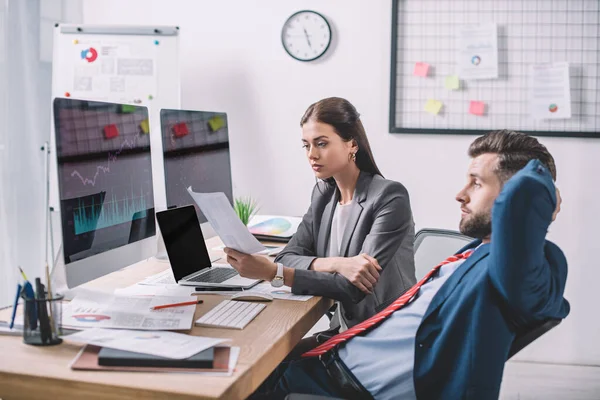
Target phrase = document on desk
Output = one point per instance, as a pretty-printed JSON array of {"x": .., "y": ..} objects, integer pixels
[
  {"x": 281, "y": 293},
  {"x": 158, "y": 343},
  {"x": 162, "y": 278},
  {"x": 225, "y": 222},
  {"x": 99, "y": 310},
  {"x": 140, "y": 289}
]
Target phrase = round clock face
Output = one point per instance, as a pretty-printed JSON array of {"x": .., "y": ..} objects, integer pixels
[{"x": 306, "y": 35}]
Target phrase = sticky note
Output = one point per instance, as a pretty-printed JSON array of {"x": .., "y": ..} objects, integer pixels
[
  {"x": 433, "y": 106},
  {"x": 111, "y": 131},
  {"x": 421, "y": 69},
  {"x": 452, "y": 82},
  {"x": 477, "y": 108},
  {"x": 216, "y": 123},
  {"x": 180, "y": 129},
  {"x": 145, "y": 126},
  {"x": 127, "y": 108}
]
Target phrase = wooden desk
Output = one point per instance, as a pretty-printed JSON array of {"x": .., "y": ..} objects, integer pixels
[{"x": 30, "y": 372}]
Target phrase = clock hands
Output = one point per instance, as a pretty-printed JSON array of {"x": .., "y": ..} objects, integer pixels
[{"x": 307, "y": 39}]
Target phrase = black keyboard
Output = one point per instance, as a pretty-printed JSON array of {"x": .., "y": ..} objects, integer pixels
[{"x": 215, "y": 275}]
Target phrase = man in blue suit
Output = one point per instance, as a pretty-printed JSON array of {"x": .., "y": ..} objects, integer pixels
[{"x": 451, "y": 340}]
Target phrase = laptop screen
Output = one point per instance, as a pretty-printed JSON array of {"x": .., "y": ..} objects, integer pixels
[{"x": 183, "y": 240}]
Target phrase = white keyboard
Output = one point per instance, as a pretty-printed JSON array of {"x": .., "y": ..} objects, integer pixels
[{"x": 231, "y": 314}]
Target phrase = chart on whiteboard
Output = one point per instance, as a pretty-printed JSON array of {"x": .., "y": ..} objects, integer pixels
[{"x": 113, "y": 70}]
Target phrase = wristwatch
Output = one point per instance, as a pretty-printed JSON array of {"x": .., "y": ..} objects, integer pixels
[{"x": 278, "y": 280}]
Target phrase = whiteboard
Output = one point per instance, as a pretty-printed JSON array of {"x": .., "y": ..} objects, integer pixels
[
  {"x": 529, "y": 32},
  {"x": 136, "y": 65}
]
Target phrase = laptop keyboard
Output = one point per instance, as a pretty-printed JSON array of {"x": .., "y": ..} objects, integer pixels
[{"x": 214, "y": 275}]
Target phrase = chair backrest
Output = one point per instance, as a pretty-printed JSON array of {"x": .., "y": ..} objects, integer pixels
[
  {"x": 433, "y": 246},
  {"x": 527, "y": 336}
]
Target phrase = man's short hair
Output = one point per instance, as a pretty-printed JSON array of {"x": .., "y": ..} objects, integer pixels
[{"x": 514, "y": 150}]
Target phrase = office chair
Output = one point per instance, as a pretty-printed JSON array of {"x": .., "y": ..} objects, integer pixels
[{"x": 432, "y": 246}]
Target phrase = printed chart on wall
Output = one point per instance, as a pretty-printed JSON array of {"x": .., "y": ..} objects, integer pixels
[
  {"x": 130, "y": 65},
  {"x": 471, "y": 66},
  {"x": 104, "y": 69}
]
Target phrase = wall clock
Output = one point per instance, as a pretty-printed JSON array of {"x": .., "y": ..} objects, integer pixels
[{"x": 306, "y": 35}]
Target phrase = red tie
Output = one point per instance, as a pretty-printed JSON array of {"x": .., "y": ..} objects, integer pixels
[{"x": 377, "y": 318}]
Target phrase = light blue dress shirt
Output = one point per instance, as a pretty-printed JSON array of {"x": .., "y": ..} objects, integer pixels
[{"x": 383, "y": 359}]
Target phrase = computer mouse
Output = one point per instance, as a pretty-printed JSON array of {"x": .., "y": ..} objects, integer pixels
[{"x": 252, "y": 296}]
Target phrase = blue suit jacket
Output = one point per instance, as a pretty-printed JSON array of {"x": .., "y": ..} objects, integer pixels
[{"x": 513, "y": 282}]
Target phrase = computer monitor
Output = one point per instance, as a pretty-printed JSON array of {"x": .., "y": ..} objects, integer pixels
[
  {"x": 104, "y": 185},
  {"x": 196, "y": 154}
]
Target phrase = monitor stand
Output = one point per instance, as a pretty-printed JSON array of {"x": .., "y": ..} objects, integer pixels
[
  {"x": 60, "y": 285},
  {"x": 161, "y": 250}
]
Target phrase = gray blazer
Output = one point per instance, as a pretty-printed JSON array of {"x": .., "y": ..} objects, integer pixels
[{"x": 380, "y": 224}]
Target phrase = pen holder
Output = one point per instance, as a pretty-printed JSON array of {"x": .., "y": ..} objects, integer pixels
[{"x": 42, "y": 321}]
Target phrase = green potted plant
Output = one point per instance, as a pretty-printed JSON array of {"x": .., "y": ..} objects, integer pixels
[{"x": 245, "y": 208}]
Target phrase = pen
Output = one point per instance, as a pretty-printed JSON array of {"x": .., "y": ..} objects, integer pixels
[
  {"x": 51, "y": 317},
  {"x": 23, "y": 273},
  {"x": 31, "y": 308},
  {"x": 185, "y": 303},
  {"x": 219, "y": 289},
  {"x": 42, "y": 312},
  {"x": 14, "y": 310}
]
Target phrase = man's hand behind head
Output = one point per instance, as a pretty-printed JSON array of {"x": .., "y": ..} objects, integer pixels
[{"x": 558, "y": 203}]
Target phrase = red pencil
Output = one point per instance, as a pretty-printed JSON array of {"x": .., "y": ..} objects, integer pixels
[{"x": 185, "y": 303}]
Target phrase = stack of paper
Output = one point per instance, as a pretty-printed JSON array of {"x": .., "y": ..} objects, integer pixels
[
  {"x": 158, "y": 343},
  {"x": 170, "y": 345}
]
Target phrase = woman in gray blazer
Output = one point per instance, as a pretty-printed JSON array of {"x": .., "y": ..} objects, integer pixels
[{"x": 355, "y": 242}]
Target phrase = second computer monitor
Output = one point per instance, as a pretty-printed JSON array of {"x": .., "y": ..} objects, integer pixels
[{"x": 196, "y": 154}]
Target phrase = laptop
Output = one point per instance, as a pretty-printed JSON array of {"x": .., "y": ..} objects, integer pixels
[{"x": 188, "y": 254}]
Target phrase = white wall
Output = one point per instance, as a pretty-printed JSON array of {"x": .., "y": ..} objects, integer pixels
[
  {"x": 25, "y": 83},
  {"x": 232, "y": 60}
]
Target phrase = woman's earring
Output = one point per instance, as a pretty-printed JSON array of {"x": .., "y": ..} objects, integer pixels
[{"x": 353, "y": 157}]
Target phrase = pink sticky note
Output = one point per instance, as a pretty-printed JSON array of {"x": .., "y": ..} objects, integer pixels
[
  {"x": 477, "y": 108},
  {"x": 421, "y": 69}
]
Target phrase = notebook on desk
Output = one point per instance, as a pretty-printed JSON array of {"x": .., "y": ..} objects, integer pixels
[
  {"x": 119, "y": 358},
  {"x": 87, "y": 360}
]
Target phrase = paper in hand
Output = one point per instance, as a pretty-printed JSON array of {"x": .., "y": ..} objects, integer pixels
[{"x": 225, "y": 222}]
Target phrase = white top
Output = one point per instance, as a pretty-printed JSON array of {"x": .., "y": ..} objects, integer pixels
[{"x": 338, "y": 225}]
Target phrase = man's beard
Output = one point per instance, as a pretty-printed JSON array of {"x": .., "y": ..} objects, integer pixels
[{"x": 479, "y": 226}]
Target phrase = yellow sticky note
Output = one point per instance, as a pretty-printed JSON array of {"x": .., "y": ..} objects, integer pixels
[
  {"x": 433, "y": 106},
  {"x": 145, "y": 126},
  {"x": 452, "y": 82},
  {"x": 216, "y": 123}
]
